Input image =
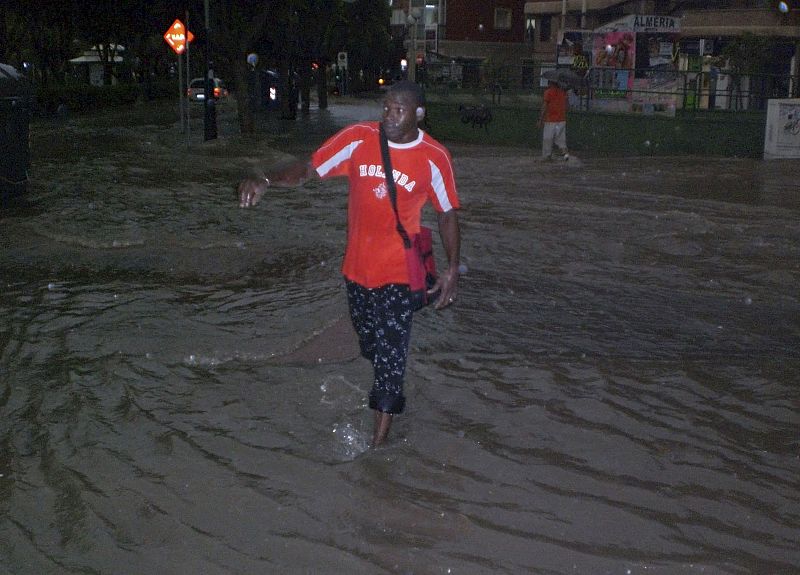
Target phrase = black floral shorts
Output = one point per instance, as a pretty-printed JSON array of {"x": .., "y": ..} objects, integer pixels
[{"x": 382, "y": 319}]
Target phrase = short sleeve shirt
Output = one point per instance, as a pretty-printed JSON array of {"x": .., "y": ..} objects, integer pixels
[
  {"x": 423, "y": 172},
  {"x": 556, "y": 100}
]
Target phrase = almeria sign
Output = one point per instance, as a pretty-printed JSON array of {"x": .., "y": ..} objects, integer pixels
[
  {"x": 661, "y": 24},
  {"x": 644, "y": 24}
]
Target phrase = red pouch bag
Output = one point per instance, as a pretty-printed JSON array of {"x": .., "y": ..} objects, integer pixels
[{"x": 421, "y": 266}]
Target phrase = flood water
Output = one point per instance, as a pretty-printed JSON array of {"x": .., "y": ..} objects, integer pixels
[{"x": 615, "y": 391}]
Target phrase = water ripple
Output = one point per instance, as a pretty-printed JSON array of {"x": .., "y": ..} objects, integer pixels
[{"x": 614, "y": 391}]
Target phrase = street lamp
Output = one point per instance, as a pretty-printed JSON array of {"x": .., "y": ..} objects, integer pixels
[
  {"x": 583, "y": 15},
  {"x": 413, "y": 17}
]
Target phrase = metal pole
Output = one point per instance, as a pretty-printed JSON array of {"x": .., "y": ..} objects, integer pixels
[
  {"x": 414, "y": 16},
  {"x": 414, "y": 56},
  {"x": 181, "y": 92},
  {"x": 583, "y": 15},
  {"x": 188, "y": 79},
  {"x": 210, "y": 106},
  {"x": 412, "y": 62}
]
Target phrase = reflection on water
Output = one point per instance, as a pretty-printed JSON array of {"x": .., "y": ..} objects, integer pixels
[{"x": 615, "y": 392}]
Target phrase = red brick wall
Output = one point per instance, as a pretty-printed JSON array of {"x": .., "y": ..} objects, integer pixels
[{"x": 464, "y": 18}]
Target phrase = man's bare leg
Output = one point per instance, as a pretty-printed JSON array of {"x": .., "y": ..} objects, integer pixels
[{"x": 383, "y": 421}]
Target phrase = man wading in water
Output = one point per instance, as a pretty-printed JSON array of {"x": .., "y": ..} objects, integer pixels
[{"x": 374, "y": 265}]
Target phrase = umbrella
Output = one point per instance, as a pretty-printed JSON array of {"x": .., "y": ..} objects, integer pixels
[{"x": 564, "y": 76}]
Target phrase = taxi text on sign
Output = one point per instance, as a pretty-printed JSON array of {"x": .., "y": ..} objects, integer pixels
[{"x": 177, "y": 37}]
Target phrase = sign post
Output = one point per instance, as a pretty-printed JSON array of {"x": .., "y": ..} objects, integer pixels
[
  {"x": 341, "y": 64},
  {"x": 178, "y": 39},
  {"x": 186, "y": 90},
  {"x": 210, "y": 116}
]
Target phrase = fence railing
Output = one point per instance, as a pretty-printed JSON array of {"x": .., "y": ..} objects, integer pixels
[{"x": 713, "y": 89}]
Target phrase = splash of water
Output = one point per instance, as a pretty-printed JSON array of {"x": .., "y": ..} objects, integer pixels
[{"x": 350, "y": 441}]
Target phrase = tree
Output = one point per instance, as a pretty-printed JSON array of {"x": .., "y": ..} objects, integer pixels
[
  {"x": 367, "y": 41},
  {"x": 237, "y": 27},
  {"x": 316, "y": 20},
  {"x": 104, "y": 26},
  {"x": 145, "y": 45},
  {"x": 292, "y": 33},
  {"x": 749, "y": 56},
  {"x": 41, "y": 32}
]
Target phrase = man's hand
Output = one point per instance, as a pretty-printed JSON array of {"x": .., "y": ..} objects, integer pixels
[
  {"x": 250, "y": 191},
  {"x": 447, "y": 282},
  {"x": 294, "y": 173}
]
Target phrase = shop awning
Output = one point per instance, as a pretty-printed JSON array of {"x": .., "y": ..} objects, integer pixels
[
  {"x": 694, "y": 23},
  {"x": 709, "y": 31},
  {"x": 556, "y": 6},
  {"x": 708, "y": 23}
]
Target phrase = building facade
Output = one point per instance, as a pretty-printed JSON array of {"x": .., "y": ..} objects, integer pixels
[
  {"x": 522, "y": 32},
  {"x": 485, "y": 30}
]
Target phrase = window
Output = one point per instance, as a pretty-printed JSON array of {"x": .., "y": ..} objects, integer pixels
[
  {"x": 502, "y": 19},
  {"x": 530, "y": 28},
  {"x": 428, "y": 9},
  {"x": 546, "y": 29}
]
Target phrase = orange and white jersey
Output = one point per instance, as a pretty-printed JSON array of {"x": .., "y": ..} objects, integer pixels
[{"x": 423, "y": 171}]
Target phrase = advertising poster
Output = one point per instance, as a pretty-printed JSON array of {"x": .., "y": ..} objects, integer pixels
[
  {"x": 614, "y": 54},
  {"x": 615, "y": 50},
  {"x": 782, "y": 137},
  {"x": 634, "y": 65}
]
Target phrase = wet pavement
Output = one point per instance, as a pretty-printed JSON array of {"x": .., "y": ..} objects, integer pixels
[{"x": 615, "y": 392}]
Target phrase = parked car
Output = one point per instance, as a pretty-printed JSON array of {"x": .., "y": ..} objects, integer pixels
[
  {"x": 16, "y": 99},
  {"x": 197, "y": 90}
]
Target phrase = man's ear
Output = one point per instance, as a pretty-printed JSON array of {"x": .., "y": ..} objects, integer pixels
[{"x": 420, "y": 113}]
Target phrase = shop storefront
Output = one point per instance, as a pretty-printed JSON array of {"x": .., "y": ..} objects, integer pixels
[{"x": 634, "y": 64}]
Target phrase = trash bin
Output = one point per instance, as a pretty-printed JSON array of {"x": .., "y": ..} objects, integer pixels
[
  {"x": 265, "y": 89},
  {"x": 471, "y": 75},
  {"x": 15, "y": 114}
]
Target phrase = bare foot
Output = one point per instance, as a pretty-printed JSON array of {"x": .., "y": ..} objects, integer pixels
[{"x": 383, "y": 421}]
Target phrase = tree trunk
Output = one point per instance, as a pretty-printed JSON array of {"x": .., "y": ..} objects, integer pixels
[
  {"x": 242, "y": 94},
  {"x": 305, "y": 86},
  {"x": 289, "y": 96},
  {"x": 322, "y": 86}
]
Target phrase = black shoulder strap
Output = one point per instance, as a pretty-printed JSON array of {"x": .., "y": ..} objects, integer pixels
[{"x": 387, "y": 169}]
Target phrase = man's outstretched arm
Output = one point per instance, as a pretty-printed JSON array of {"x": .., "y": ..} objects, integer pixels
[{"x": 294, "y": 173}]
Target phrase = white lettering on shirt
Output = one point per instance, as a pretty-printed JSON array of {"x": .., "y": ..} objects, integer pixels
[{"x": 376, "y": 170}]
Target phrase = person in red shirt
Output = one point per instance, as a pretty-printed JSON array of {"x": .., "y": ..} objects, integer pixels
[
  {"x": 553, "y": 120},
  {"x": 374, "y": 266}
]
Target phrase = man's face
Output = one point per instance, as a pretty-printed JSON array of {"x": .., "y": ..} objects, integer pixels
[{"x": 400, "y": 117}]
